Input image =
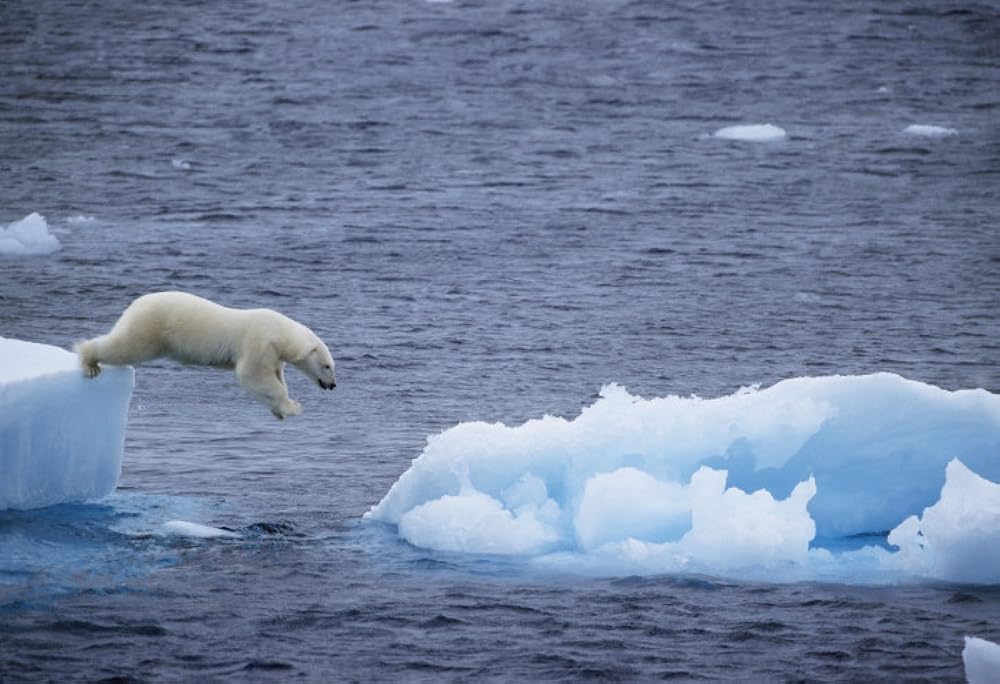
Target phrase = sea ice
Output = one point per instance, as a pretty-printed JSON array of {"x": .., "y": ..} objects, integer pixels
[
  {"x": 752, "y": 133},
  {"x": 757, "y": 479},
  {"x": 929, "y": 131},
  {"x": 29, "y": 236},
  {"x": 61, "y": 435},
  {"x": 982, "y": 661}
]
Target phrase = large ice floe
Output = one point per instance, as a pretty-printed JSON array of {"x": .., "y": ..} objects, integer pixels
[
  {"x": 61, "y": 435},
  {"x": 859, "y": 478},
  {"x": 29, "y": 236}
]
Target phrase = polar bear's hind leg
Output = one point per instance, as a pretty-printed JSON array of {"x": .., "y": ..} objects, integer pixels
[
  {"x": 117, "y": 348},
  {"x": 88, "y": 358}
]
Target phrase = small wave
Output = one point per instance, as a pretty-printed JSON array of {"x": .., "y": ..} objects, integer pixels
[{"x": 191, "y": 530}]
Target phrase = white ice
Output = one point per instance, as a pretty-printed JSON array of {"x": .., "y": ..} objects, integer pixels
[
  {"x": 192, "y": 530},
  {"x": 929, "y": 131},
  {"x": 757, "y": 479},
  {"x": 29, "y": 236},
  {"x": 61, "y": 435},
  {"x": 982, "y": 661},
  {"x": 752, "y": 133}
]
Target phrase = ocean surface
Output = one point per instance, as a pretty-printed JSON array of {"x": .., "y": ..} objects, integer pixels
[{"x": 488, "y": 210}]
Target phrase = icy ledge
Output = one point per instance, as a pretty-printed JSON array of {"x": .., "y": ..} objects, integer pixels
[{"x": 61, "y": 435}]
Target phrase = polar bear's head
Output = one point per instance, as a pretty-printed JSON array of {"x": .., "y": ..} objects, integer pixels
[{"x": 319, "y": 365}]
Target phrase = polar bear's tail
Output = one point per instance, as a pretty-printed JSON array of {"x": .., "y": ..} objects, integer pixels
[{"x": 86, "y": 350}]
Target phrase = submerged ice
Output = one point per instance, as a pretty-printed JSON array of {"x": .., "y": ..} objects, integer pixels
[
  {"x": 775, "y": 479},
  {"x": 61, "y": 435}
]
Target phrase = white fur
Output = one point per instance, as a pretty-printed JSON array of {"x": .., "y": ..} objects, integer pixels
[{"x": 255, "y": 342}]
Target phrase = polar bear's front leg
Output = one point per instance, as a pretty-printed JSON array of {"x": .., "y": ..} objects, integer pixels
[{"x": 265, "y": 382}]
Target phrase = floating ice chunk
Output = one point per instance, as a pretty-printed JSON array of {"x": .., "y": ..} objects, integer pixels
[
  {"x": 180, "y": 164},
  {"x": 958, "y": 538},
  {"x": 61, "y": 435},
  {"x": 731, "y": 528},
  {"x": 80, "y": 219},
  {"x": 982, "y": 661},
  {"x": 182, "y": 528},
  {"x": 473, "y": 522},
  {"x": 29, "y": 236},
  {"x": 752, "y": 133},
  {"x": 728, "y": 530},
  {"x": 929, "y": 131},
  {"x": 631, "y": 504}
]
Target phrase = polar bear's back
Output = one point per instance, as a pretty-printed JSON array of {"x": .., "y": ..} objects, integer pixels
[{"x": 190, "y": 329}]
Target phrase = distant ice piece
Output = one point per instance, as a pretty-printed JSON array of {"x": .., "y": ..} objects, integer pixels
[
  {"x": 182, "y": 528},
  {"x": 752, "y": 480},
  {"x": 29, "y": 236},
  {"x": 982, "y": 661},
  {"x": 61, "y": 435},
  {"x": 752, "y": 133},
  {"x": 929, "y": 131}
]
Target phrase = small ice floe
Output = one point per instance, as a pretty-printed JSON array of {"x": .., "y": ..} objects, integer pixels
[
  {"x": 982, "y": 661},
  {"x": 183, "y": 528},
  {"x": 928, "y": 131},
  {"x": 80, "y": 220},
  {"x": 752, "y": 133},
  {"x": 29, "y": 236},
  {"x": 180, "y": 164}
]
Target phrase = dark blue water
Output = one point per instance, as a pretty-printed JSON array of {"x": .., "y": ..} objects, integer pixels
[{"x": 488, "y": 210}]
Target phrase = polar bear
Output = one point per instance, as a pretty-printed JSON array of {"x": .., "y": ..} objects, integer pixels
[{"x": 255, "y": 342}]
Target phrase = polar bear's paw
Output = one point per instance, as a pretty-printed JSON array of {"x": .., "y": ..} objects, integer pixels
[
  {"x": 289, "y": 407},
  {"x": 91, "y": 371}
]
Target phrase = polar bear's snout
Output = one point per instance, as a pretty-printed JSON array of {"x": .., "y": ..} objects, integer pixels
[{"x": 319, "y": 366}]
